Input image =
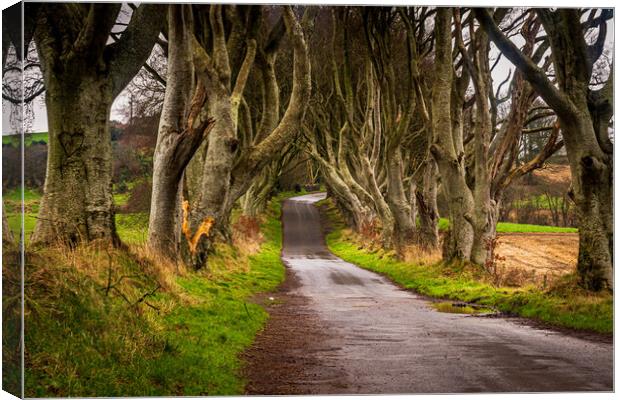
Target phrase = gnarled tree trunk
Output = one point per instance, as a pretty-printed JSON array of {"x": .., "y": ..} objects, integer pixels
[
  {"x": 404, "y": 226},
  {"x": 459, "y": 240},
  {"x": 584, "y": 117},
  {"x": 77, "y": 205},
  {"x": 254, "y": 201},
  {"x": 592, "y": 192},
  {"x": 218, "y": 164},
  {"x": 485, "y": 212},
  {"x": 183, "y": 126},
  {"x": 226, "y": 176},
  {"x": 358, "y": 214},
  {"x": 427, "y": 233}
]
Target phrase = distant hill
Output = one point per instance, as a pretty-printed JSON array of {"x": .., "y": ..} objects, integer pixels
[{"x": 29, "y": 139}]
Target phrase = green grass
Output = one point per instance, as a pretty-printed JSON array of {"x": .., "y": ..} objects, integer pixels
[
  {"x": 459, "y": 308},
  {"x": 15, "y": 195},
  {"x": 132, "y": 228},
  {"x": 225, "y": 323},
  {"x": 186, "y": 341},
  {"x": 565, "y": 306},
  {"x": 29, "y": 138},
  {"x": 510, "y": 227},
  {"x": 15, "y": 224},
  {"x": 12, "y": 208},
  {"x": 120, "y": 199},
  {"x": 13, "y": 202}
]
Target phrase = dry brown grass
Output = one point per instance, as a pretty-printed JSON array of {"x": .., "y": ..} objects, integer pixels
[
  {"x": 370, "y": 232},
  {"x": 501, "y": 273},
  {"x": 554, "y": 174},
  {"x": 226, "y": 260},
  {"x": 100, "y": 276},
  {"x": 246, "y": 235},
  {"x": 504, "y": 276},
  {"x": 132, "y": 273},
  {"x": 370, "y": 239},
  {"x": 161, "y": 267},
  {"x": 366, "y": 239},
  {"x": 421, "y": 255},
  {"x": 533, "y": 259}
]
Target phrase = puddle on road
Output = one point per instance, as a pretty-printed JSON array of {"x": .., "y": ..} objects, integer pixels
[{"x": 461, "y": 308}]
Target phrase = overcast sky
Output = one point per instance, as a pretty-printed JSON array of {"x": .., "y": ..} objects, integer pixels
[{"x": 39, "y": 123}]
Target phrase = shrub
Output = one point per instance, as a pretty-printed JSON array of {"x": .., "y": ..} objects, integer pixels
[
  {"x": 139, "y": 200},
  {"x": 246, "y": 234}
]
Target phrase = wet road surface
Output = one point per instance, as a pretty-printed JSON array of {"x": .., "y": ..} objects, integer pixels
[{"x": 374, "y": 337}]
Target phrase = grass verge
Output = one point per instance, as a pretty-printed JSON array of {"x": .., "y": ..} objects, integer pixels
[
  {"x": 103, "y": 322},
  {"x": 564, "y": 304}
]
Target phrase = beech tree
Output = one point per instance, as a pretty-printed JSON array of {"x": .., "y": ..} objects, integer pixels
[
  {"x": 255, "y": 199},
  {"x": 274, "y": 134},
  {"x": 368, "y": 132},
  {"x": 225, "y": 92},
  {"x": 394, "y": 109},
  {"x": 183, "y": 125},
  {"x": 83, "y": 73},
  {"x": 479, "y": 154},
  {"x": 447, "y": 146},
  {"x": 235, "y": 153},
  {"x": 584, "y": 115}
]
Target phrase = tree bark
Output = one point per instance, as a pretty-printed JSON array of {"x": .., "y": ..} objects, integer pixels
[
  {"x": 220, "y": 155},
  {"x": 182, "y": 128},
  {"x": 427, "y": 234},
  {"x": 348, "y": 202},
  {"x": 381, "y": 206},
  {"x": 223, "y": 102},
  {"x": 486, "y": 211},
  {"x": 592, "y": 192},
  {"x": 254, "y": 201},
  {"x": 77, "y": 205},
  {"x": 226, "y": 176},
  {"x": 357, "y": 214},
  {"x": 458, "y": 243},
  {"x": 404, "y": 226}
]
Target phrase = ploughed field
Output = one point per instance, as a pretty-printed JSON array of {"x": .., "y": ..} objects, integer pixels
[{"x": 542, "y": 253}]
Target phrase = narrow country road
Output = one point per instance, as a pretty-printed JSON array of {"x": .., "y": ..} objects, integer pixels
[{"x": 352, "y": 331}]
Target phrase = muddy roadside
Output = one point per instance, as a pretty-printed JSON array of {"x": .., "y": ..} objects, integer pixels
[{"x": 286, "y": 357}]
